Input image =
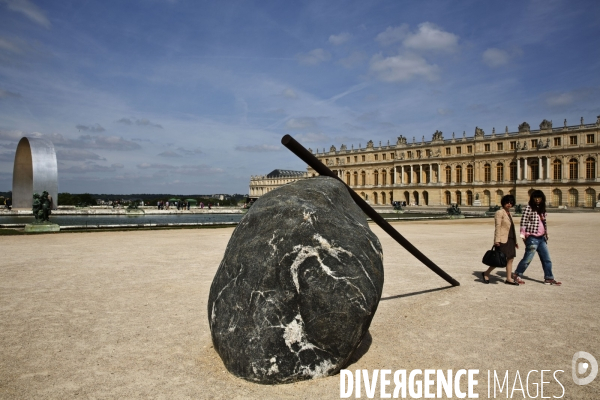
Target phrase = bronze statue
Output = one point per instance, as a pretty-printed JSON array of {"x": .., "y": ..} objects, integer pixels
[{"x": 42, "y": 207}]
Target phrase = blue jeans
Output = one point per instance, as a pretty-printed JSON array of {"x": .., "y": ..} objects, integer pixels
[{"x": 532, "y": 245}]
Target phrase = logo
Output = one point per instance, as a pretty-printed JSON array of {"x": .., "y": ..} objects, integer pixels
[{"x": 581, "y": 368}]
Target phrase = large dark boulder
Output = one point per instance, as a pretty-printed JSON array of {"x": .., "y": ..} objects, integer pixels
[{"x": 298, "y": 286}]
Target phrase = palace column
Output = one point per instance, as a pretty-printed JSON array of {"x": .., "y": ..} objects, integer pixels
[
  {"x": 518, "y": 169},
  {"x": 548, "y": 168},
  {"x": 525, "y": 169},
  {"x": 411, "y": 175}
]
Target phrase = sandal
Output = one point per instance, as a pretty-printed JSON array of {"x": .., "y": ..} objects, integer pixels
[
  {"x": 552, "y": 282},
  {"x": 515, "y": 283},
  {"x": 518, "y": 279},
  {"x": 485, "y": 280}
]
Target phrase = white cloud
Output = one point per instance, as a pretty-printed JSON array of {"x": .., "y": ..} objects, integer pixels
[
  {"x": 561, "y": 99},
  {"x": 300, "y": 123},
  {"x": 7, "y": 94},
  {"x": 313, "y": 57},
  {"x": 169, "y": 153},
  {"x": 77, "y": 155},
  {"x": 85, "y": 168},
  {"x": 258, "y": 148},
  {"x": 8, "y": 45},
  {"x": 354, "y": 59},
  {"x": 139, "y": 122},
  {"x": 312, "y": 137},
  {"x": 493, "y": 57},
  {"x": 29, "y": 9},
  {"x": 402, "y": 68},
  {"x": 444, "y": 111},
  {"x": 430, "y": 37},
  {"x": 91, "y": 128},
  {"x": 342, "y": 38},
  {"x": 392, "y": 35},
  {"x": 290, "y": 94}
]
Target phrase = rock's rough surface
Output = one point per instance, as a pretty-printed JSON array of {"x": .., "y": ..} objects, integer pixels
[{"x": 298, "y": 286}]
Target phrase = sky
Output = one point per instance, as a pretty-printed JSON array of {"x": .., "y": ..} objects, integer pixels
[{"x": 193, "y": 97}]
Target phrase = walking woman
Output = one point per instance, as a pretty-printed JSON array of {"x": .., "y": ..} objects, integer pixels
[
  {"x": 534, "y": 231},
  {"x": 505, "y": 239}
]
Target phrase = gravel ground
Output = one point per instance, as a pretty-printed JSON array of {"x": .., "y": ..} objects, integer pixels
[{"x": 123, "y": 314}]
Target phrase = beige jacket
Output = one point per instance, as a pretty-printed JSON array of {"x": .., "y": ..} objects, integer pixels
[{"x": 502, "y": 222}]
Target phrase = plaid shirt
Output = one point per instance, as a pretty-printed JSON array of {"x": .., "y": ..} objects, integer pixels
[{"x": 530, "y": 221}]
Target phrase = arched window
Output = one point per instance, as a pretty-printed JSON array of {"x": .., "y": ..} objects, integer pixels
[
  {"x": 590, "y": 197},
  {"x": 426, "y": 198},
  {"x": 573, "y": 197},
  {"x": 513, "y": 171},
  {"x": 573, "y": 168},
  {"x": 416, "y": 197},
  {"x": 392, "y": 177},
  {"x": 382, "y": 197},
  {"x": 391, "y": 197},
  {"x": 499, "y": 196},
  {"x": 375, "y": 198},
  {"x": 557, "y": 170},
  {"x": 355, "y": 178},
  {"x": 469, "y": 173},
  {"x": 590, "y": 168},
  {"x": 448, "y": 175},
  {"x": 363, "y": 178},
  {"x": 448, "y": 198},
  {"x": 556, "y": 197},
  {"x": 407, "y": 197},
  {"x": 348, "y": 178},
  {"x": 458, "y": 197},
  {"x": 384, "y": 178},
  {"x": 499, "y": 173},
  {"x": 458, "y": 174},
  {"x": 469, "y": 198},
  {"x": 376, "y": 178},
  {"x": 487, "y": 173},
  {"x": 535, "y": 169}
]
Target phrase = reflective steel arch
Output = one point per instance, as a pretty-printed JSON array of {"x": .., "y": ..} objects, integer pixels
[{"x": 35, "y": 170}]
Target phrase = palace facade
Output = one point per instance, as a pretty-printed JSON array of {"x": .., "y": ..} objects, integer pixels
[
  {"x": 562, "y": 162},
  {"x": 262, "y": 184}
]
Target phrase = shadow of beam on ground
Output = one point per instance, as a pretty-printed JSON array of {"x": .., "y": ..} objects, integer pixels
[{"x": 415, "y": 293}]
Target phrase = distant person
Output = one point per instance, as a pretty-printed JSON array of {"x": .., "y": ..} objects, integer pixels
[
  {"x": 188, "y": 205},
  {"x": 534, "y": 232},
  {"x": 201, "y": 205},
  {"x": 505, "y": 240}
]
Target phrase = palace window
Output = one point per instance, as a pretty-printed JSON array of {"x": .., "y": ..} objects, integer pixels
[
  {"x": 500, "y": 172},
  {"x": 487, "y": 172},
  {"x": 486, "y": 147},
  {"x": 589, "y": 139},
  {"x": 513, "y": 171},
  {"x": 573, "y": 168},
  {"x": 327, "y": 161},
  {"x": 469, "y": 149},
  {"x": 409, "y": 154},
  {"x": 557, "y": 170},
  {"x": 355, "y": 178},
  {"x": 513, "y": 145},
  {"x": 469, "y": 173},
  {"x": 362, "y": 158},
  {"x": 448, "y": 174},
  {"x": 535, "y": 169},
  {"x": 392, "y": 156},
  {"x": 384, "y": 177},
  {"x": 355, "y": 158},
  {"x": 458, "y": 174},
  {"x": 418, "y": 153},
  {"x": 363, "y": 178},
  {"x": 383, "y": 156},
  {"x": 534, "y": 143},
  {"x": 347, "y": 159},
  {"x": 428, "y": 153},
  {"x": 572, "y": 139},
  {"x": 376, "y": 157},
  {"x": 458, "y": 150},
  {"x": 499, "y": 146},
  {"x": 590, "y": 168},
  {"x": 348, "y": 178},
  {"x": 556, "y": 141},
  {"x": 376, "y": 178},
  {"x": 448, "y": 151}
]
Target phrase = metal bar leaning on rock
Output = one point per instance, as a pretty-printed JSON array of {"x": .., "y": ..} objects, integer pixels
[{"x": 318, "y": 166}]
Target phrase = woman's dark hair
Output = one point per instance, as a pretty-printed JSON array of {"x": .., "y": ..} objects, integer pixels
[
  {"x": 541, "y": 209},
  {"x": 509, "y": 198}
]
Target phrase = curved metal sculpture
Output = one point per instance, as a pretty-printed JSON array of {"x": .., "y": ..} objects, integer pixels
[{"x": 35, "y": 171}]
